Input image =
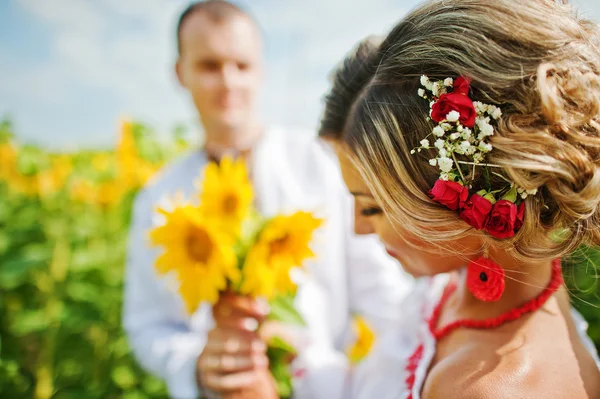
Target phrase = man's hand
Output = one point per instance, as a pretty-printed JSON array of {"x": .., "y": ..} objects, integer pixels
[{"x": 234, "y": 361}]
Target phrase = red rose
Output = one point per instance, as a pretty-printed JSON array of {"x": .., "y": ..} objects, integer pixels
[
  {"x": 449, "y": 193},
  {"x": 477, "y": 211},
  {"x": 462, "y": 85},
  {"x": 502, "y": 219},
  {"x": 454, "y": 102},
  {"x": 520, "y": 216},
  {"x": 458, "y": 101}
]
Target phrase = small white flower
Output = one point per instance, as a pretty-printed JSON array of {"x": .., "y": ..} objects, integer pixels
[
  {"x": 520, "y": 190},
  {"x": 453, "y": 116},
  {"x": 446, "y": 126},
  {"x": 495, "y": 112},
  {"x": 438, "y": 131},
  {"x": 471, "y": 150},
  {"x": 444, "y": 177},
  {"x": 466, "y": 133},
  {"x": 421, "y": 93},
  {"x": 433, "y": 162},
  {"x": 532, "y": 192},
  {"x": 478, "y": 157},
  {"x": 482, "y": 120},
  {"x": 478, "y": 107},
  {"x": 439, "y": 144},
  {"x": 435, "y": 89},
  {"x": 445, "y": 164},
  {"x": 487, "y": 130},
  {"x": 455, "y": 136},
  {"x": 412, "y": 151},
  {"x": 448, "y": 82},
  {"x": 426, "y": 82},
  {"x": 523, "y": 195},
  {"x": 465, "y": 145},
  {"x": 485, "y": 147},
  {"x": 443, "y": 152},
  {"x": 424, "y": 143},
  {"x": 459, "y": 128}
]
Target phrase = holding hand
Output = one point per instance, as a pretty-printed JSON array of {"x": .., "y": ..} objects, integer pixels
[{"x": 234, "y": 361}]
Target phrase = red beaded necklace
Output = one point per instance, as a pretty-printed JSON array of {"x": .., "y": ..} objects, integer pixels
[{"x": 530, "y": 306}]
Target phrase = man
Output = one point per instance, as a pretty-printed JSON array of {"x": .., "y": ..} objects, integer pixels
[{"x": 220, "y": 64}]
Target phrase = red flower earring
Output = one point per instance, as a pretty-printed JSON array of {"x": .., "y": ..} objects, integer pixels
[{"x": 485, "y": 279}]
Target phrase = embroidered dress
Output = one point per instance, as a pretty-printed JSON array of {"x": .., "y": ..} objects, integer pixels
[{"x": 391, "y": 364}]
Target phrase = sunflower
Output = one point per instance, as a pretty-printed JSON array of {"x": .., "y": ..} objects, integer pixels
[
  {"x": 226, "y": 194},
  {"x": 364, "y": 340},
  {"x": 202, "y": 257},
  {"x": 281, "y": 245}
]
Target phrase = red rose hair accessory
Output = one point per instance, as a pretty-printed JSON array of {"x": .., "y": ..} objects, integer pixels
[
  {"x": 461, "y": 138},
  {"x": 485, "y": 279}
]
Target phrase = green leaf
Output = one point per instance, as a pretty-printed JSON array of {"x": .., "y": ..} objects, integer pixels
[
  {"x": 29, "y": 321},
  {"x": 124, "y": 377},
  {"x": 283, "y": 310},
  {"x": 279, "y": 343}
]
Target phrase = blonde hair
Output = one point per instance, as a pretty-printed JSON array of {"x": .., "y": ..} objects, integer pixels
[{"x": 537, "y": 61}]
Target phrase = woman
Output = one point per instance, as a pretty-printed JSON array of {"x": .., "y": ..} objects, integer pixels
[{"x": 473, "y": 151}]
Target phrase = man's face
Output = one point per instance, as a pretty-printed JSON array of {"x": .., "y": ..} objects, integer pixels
[{"x": 221, "y": 65}]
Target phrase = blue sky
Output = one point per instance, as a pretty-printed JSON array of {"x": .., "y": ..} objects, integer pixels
[{"x": 72, "y": 68}]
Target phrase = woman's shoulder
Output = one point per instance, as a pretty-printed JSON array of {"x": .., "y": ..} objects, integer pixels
[{"x": 531, "y": 357}]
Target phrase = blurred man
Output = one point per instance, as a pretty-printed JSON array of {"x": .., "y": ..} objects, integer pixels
[{"x": 220, "y": 64}]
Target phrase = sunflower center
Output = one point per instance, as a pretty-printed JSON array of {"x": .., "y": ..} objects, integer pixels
[
  {"x": 199, "y": 245},
  {"x": 230, "y": 203},
  {"x": 280, "y": 245}
]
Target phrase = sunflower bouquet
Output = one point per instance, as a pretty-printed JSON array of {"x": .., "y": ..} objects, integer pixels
[{"x": 223, "y": 244}]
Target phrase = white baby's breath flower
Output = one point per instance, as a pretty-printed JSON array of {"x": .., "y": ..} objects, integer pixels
[
  {"x": 425, "y": 81},
  {"x": 446, "y": 126},
  {"x": 485, "y": 131},
  {"x": 466, "y": 133},
  {"x": 421, "y": 93},
  {"x": 479, "y": 107},
  {"x": 453, "y": 116},
  {"x": 495, "y": 112},
  {"x": 439, "y": 144},
  {"x": 478, "y": 157},
  {"x": 438, "y": 131},
  {"x": 444, "y": 176},
  {"x": 435, "y": 89},
  {"x": 448, "y": 82},
  {"x": 445, "y": 164},
  {"x": 412, "y": 152},
  {"x": 532, "y": 191},
  {"x": 485, "y": 147},
  {"x": 465, "y": 145},
  {"x": 455, "y": 136},
  {"x": 459, "y": 128},
  {"x": 443, "y": 152},
  {"x": 482, "y": 120},
  {"x": 433, "y": 162},
  {"x": 424, "y": 143},
  {"x": 523, "y": 195},
  {"x": 471, "y": 150}
]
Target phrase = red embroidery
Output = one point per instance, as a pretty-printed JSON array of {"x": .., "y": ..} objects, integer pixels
[{"x": 411, "y": 367}]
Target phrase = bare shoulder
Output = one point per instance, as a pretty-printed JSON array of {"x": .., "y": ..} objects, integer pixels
[{"x": 531, "y": 358}]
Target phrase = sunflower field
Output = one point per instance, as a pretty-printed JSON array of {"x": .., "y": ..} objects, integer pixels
[
  {"x": 63, "y": 230},
  {"x": 63, "y": 227}
]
